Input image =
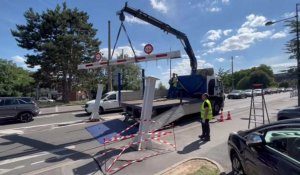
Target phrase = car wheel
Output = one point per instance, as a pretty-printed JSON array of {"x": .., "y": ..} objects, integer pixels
[
  {"x": 237, "y": 168},
  {"x": 101, "y": 110},
  {"x": 25, "y": 117}
]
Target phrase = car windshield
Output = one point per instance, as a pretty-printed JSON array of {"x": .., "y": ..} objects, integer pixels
[{"x": 104, "y": 96}]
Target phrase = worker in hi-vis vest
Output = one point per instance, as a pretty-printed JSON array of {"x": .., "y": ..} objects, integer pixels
[
  {"x": 206, "y": 116},
  {"x": 173, "y": 86}
]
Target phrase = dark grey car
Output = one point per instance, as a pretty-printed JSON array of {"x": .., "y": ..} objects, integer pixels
[
  {"x": 20, "y": 108},
  {"x": 289, "y": 113}
]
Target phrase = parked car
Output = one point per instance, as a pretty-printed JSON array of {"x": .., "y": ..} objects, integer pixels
[
  {"x": 289, "y": 89},
  {"x": 267, "y": 91},
  {"x": 108, "y": 102},
  {"x": 289, "y": 113},
  {"x": 236, "y": 94},
  {"x": 258, "y": 91},
  {"x": 46, "y": 100},
  {"x": 20, "y": 108},
  {"x": 272, "y": 149},
  {"x": 248, "y": 92}
]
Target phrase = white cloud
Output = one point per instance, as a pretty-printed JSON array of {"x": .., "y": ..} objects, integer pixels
[
  {"x": 277, "y": 68},
  {"x": 278, "y": 35},
  {"x": 143, "y": 44},
  {"x": 132, "y": 19},
  {"x": 159, "y": 5},
  {"x": 242, "y": 40},
  {"x": 255, "y": 21},
  {"x": 227, "y": 32},
  {"x": 245, "y": 36},
  {"x": 220, "y": 60},
  {"x": 18, "y": 59},
  {"x": 209, "y": 44},
  {"x": 214, "y": 9},
  {"x": 118, "y": 51},
  {"x": 225, "y": 1},
  {"x": 289, "y": 14},
  {"x": 214, "y": 34}
]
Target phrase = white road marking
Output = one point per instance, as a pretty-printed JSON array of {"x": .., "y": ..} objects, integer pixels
[
  {"x": 56, "y": 108},
  {"x": 4, "y": 162},
  {"x": 10, "y": 131},
  {"x": 82, "y": 112},
  {"x": 3, "y": 171},
  {"x": 42, "y": 161},
  {"x": 46, "y": 116}
]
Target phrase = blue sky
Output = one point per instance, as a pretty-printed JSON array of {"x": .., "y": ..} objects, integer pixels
[{"x": 217, "y": 30}]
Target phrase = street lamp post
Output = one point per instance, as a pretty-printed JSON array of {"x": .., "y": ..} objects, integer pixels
[{"x": 297, "y": 48}]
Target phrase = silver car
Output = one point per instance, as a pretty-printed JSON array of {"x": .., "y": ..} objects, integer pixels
[{"x": 20, "y": 108}]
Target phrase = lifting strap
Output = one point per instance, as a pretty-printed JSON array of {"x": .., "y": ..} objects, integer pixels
[{"x": 123, "y": 27}]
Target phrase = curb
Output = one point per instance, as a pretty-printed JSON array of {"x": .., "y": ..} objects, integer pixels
[{"x": 222, "y": 171}]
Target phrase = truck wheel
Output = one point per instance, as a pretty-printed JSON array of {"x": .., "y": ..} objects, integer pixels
[
  {"x": 25, "y": 117},
  {"x": 101, "y": 110}
]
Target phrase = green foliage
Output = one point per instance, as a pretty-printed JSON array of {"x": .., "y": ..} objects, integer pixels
[
  {"x": 60, "y": 39},
  {"x": 284, "y": 84},
  {"x": 14, "y": 81},
  {"x": 291, "y": 45},
  {"x": 244, "y": 79},
  {"x": 161, "y": 86},
  {"x": 131, "y": 76}
]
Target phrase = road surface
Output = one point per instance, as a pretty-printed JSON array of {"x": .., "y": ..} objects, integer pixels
[{"x": 60, "y": 144}]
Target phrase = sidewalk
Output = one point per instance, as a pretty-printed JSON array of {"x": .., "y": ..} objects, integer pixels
[{"x": 61, "y": 109}]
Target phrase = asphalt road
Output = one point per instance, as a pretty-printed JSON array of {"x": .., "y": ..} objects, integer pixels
[{"x": 59, "y": 143}]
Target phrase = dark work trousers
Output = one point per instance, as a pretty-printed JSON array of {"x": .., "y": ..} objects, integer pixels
[{"x": 205, "y": 129}]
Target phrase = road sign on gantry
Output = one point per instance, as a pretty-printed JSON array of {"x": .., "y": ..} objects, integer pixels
[
  {"x": 98, "y": 56},
  {"x": 148, "y": 48},
  {"x": 105, "y": 63}
]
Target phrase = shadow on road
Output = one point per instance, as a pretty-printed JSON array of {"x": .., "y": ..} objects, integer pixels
[{"x": 192, "y": 147}]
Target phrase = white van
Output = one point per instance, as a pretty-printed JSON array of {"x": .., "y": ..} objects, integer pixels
[{"x": 110, "y": 101}]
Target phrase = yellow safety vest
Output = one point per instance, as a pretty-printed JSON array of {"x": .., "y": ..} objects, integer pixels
[
  {"x": 174, "y": 82},
  {"x": 202, "y": 111}
]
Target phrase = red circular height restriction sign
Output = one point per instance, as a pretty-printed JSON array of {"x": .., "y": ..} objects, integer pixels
[
  {"x": 98, "y": 56},
  {"x": 148, "y": 48}
]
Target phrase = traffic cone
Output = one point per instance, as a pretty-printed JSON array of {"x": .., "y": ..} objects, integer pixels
[
  {"x": 228, "y": 116},
  {"x": 221, "y": 117}
]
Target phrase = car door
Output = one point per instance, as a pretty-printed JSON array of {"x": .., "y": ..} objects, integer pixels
[
  {"x": 10, "y": 107},
  {"x": 280, "y": 154},
  {"x": 110, "y": 102},
  {"x": 3, "y": 112}
]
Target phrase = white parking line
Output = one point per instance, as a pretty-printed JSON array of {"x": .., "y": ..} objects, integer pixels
[{"x": 56, "y": 108}]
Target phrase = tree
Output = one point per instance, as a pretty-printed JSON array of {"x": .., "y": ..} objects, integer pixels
[
  {"x": 131, "y": 76},
  {"x": 161, "y": 86},
  {"x": 60, "y": 39},
  {"x": 14, "y": 81},
  {"x": 284, "y": 84},
  {"x": 225, "y": 77},
  {"x": 291, "y": 45}
]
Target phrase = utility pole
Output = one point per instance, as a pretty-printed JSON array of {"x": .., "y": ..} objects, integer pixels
[
  {"x": 109, "y": 83},
  {"x": 232, "y": 79}
]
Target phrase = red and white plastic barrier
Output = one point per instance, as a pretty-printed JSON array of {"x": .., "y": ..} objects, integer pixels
[
  {"x": 114, "y": 170},
  {"x": 143, "y": 58}
]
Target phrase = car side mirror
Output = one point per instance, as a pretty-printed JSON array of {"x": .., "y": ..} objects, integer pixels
[{"x": 255, "y": 139}]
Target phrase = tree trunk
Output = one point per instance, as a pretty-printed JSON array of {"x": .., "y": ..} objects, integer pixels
[{"x": 65, "y": 88}]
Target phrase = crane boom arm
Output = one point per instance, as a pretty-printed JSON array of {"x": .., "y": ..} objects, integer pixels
[{"x": 165, "y": 27}]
